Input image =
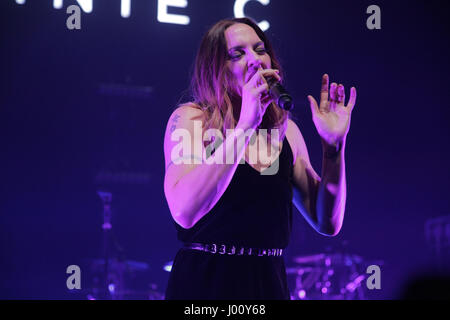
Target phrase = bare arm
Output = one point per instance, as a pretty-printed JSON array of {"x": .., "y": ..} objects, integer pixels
[
  {"x": 322, "y": 199},
  {"x": 332, "y": 193},
  {"x": 193, "y": 189}
]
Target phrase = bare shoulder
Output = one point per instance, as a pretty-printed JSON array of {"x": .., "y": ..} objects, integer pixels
[
  {"x": 182, "y": 118},
  {"x": 185, "y": 112}
]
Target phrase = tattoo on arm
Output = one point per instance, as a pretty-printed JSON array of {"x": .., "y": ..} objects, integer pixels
[{"x": 174, "y": 121}]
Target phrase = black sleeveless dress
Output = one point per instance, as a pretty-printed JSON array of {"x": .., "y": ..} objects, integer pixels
[{"x": 255, "y": 211}]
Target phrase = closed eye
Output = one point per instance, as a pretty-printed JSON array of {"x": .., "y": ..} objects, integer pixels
[
  {"x": 237, "y": 54},
  {"x": 261, "y": 50}
]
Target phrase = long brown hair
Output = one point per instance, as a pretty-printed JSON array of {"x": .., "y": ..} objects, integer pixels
[{"x": 211, "y": 81}]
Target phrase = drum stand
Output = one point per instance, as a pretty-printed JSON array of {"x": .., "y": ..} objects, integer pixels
[{"x": 106, "y": 198}]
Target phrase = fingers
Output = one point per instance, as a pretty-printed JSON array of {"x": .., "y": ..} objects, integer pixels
[
  {"x": 271, "y": 73},
  {"x": 313, "y": 105},
  {"x": 340, "y": 94},
  {"x": 352, "y": 100},
  {"x": 324, "y": 105},
  {"x": 262, "y": 74},
  {"x": 263, "y": 88},
  {"x": 266, "y": 100},
  {"x": 259, "y": 86},
  {"x": 333, "y": 92},
  {"x": 333, "y": 96},
  {"x": 324, "y": 88}
]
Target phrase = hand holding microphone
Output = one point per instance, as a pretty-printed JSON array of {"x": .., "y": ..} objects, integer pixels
[
  {"x": 255, "y": 97},
  {"x": 262, "y": 87},
  {"x": 279, "y": 94}
]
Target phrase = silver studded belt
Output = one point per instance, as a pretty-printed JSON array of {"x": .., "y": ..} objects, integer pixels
[{"x": 233, "y": 250}]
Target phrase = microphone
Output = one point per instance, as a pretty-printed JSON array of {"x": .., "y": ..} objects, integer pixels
[{"x": 279, "y": 94}]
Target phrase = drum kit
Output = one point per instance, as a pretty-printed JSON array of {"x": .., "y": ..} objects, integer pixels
[
  {"x": 327, "y": 277},
  {"x": 314, "y": 277},
  {"x": 125, "y": 280},
  {"x": 112, "y": 277}
]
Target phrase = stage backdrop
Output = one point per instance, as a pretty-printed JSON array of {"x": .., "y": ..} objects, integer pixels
[{"x": 84, "y": 110}]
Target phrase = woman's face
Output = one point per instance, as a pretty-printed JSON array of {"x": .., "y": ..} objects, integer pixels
[{"x": 246, "y": 53}]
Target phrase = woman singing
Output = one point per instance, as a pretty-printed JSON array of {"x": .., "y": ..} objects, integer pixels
[{"x": 234, "y": 217}]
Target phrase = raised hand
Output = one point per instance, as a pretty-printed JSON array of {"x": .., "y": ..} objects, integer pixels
[{"x": 332, "y": 116}]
